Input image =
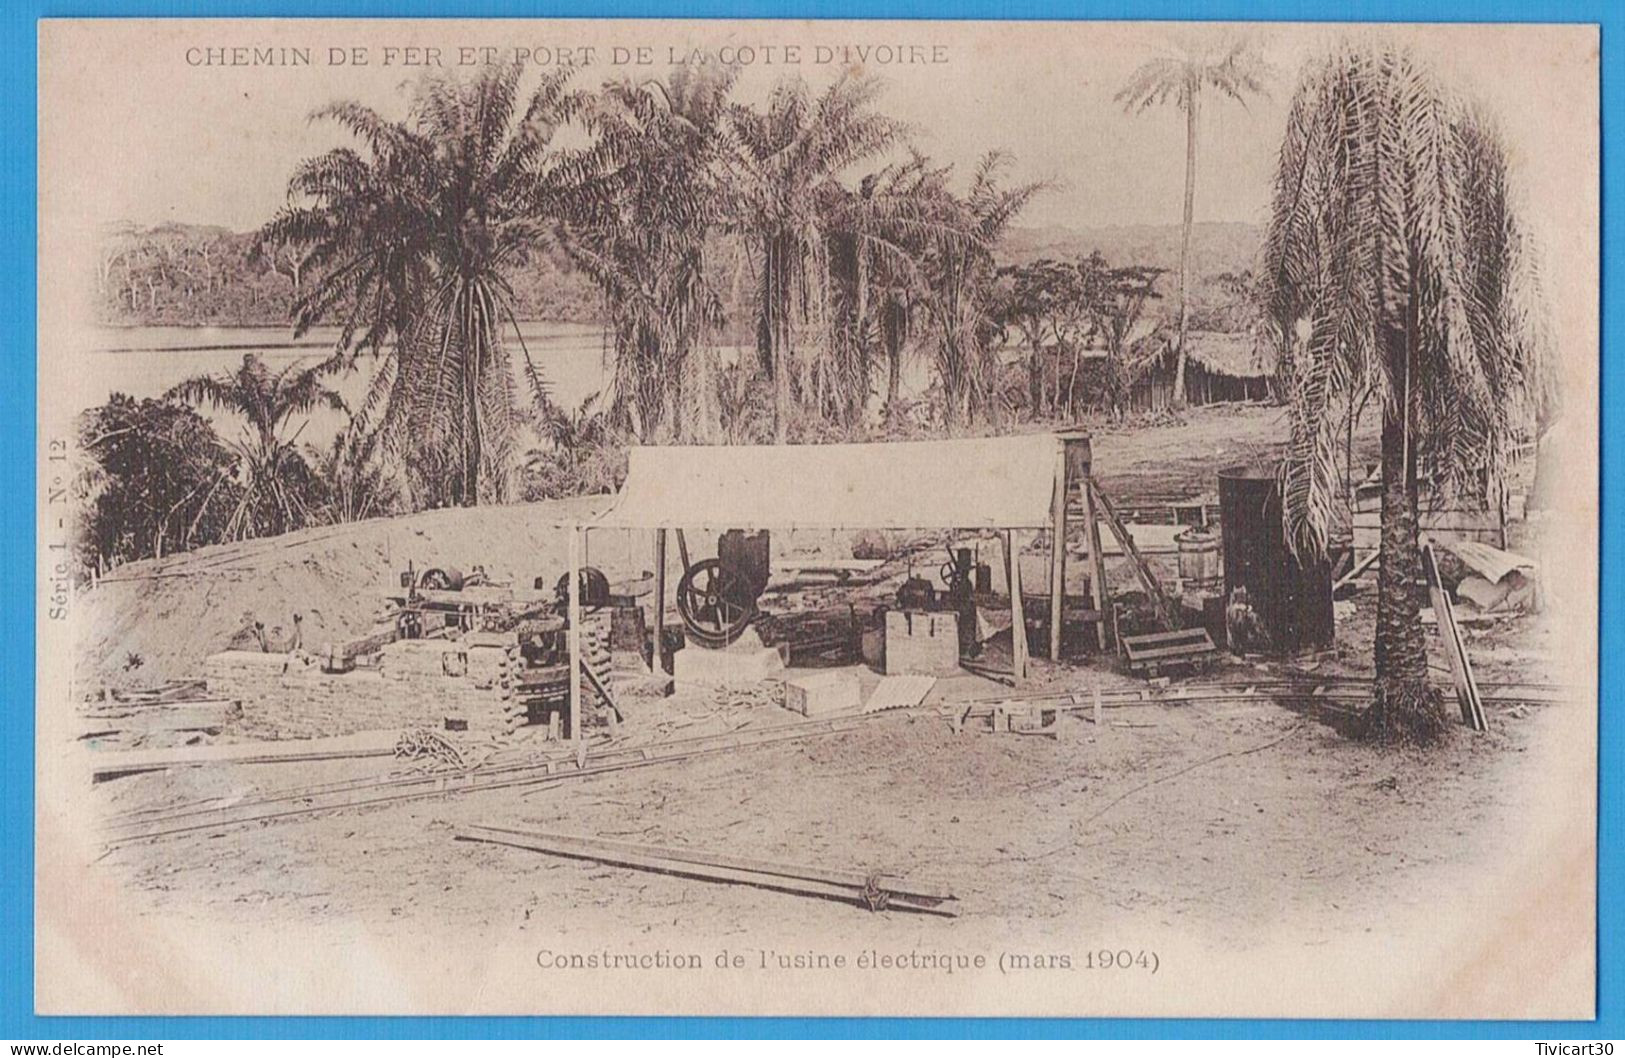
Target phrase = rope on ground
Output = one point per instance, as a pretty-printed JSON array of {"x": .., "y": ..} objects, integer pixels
[{"x": 1187, "y": 769}]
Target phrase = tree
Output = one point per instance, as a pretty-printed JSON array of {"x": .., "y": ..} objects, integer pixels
[
  {"x": 789, "y": 158},
  {"x": 1043, "y": 301},
  {"x": 1114, "y": 300},
  {"x": 409, "y": 246},
  {"x": 277, "y": 491},
  {"x": 152, "y": 482},
  {"x": 648, "y": 191},
  {"x": 959, "y": 278},
  {"x": 1232, "y": 69},
  {"x": 1396, "y": 266},
  {"x": 353, "y": 479}
]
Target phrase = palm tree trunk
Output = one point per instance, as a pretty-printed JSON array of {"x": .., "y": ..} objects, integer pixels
[
  {"x": 1404, "y": 708},
  {"x": 1191, "y": 98}
]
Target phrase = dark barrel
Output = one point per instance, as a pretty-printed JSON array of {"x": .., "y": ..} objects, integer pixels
[{"x": 1285, "y": 606}]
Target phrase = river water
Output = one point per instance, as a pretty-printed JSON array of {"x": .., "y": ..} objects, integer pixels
[{"x": 148, "y": 361}]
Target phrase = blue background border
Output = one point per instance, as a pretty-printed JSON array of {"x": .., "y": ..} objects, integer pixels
[{"x": 18, "y": 130}]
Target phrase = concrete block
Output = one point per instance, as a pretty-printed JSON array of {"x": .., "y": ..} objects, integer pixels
[
  {"x": 697, "y": 665},
  {"x": 822, "y": 694},
  {"x": 922, "y": 642}
]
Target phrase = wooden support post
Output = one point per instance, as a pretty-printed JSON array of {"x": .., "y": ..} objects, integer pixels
[
  {"x": 657, "y": 661},
  {"x": 1018, "y": 619},
  {"x": 577, "y": 735},
  {"x": 1057, "y": 554},
  {"x": 682, "y": 550},
  {"x": 1097, "y": 579}
]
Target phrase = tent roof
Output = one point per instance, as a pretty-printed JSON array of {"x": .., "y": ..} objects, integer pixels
[{"x": 977, "y": 483}]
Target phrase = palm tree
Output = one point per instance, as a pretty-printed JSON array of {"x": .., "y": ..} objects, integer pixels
[
  {"x": 355, "y": 481},
  {"x": 276, "y": 487},
  {"x": 1230, "y": 68},
  {"x": 648, "y": 191},
  {"x": 1396, "y": 267},
  {"x": 789, "y": 158},
  {"x": 959, "y": 279},
  {"x": 410, "y": 241},
  {"x": 877, "y": 237}
]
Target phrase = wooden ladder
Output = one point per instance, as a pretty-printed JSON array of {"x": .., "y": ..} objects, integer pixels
[{"x": 1168, "y": 615}]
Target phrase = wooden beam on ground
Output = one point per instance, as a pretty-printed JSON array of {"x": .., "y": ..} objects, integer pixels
[
  {"x": 876, "y": 891},
  {"x": 106, "y": 764}
]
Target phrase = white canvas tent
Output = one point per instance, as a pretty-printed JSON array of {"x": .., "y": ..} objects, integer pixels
[
  {"x": 976, "y": 483},
  {"x": 1006, "y": 484}
]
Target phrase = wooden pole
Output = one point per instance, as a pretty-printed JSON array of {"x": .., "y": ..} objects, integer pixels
[
  {"x": 657, "y": 661},
  {"x": 1057, "y": 554},
  {"x": 576, "y": 732},
  {"x": 1097, "y": 581},
  {"x": 1018, "y": 619}
]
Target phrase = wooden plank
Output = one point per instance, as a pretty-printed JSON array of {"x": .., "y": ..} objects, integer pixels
[
  {"x": 1183, "y": 635},
  {"x": 671, "y": 861},
  {"x": 657, "y": 663},
  {"x": 1181, "y": 650},
  {"x": 577, "y": 667},
  {"x": 1057, "y": 554},
  {"x": 1461, "y": 667},
  {"x": 1359, "y": 567},
  {"x": 1097, "y": 555},
  {"x": 105, "y": 764},
  {"x": 1018, "y": 619}
]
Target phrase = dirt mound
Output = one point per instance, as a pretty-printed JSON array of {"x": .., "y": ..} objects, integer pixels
[{"x": 150, "y": 622}]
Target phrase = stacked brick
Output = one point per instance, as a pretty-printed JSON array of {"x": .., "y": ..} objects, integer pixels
[{"x": 289, "y": 696}]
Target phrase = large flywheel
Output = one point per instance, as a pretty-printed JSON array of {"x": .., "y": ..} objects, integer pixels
[{"x": 715, "y": 604}]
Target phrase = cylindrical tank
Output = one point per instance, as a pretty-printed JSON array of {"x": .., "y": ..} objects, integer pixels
[
  {"x": 1275, "y": 604},
  {"x": 1201, "y": 567}
]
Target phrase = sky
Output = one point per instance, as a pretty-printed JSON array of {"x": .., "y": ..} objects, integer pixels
[{"x": 163, "y": 132}]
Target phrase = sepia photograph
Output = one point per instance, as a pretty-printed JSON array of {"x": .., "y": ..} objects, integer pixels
[{"x": 666, "y": 517}]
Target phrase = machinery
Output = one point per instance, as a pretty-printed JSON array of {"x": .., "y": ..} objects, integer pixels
[
  {"x": 716, "y": 597},
  {"x": 964, "y": 577}
]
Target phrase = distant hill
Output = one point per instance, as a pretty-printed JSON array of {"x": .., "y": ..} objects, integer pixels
[
  {"x": 193, "y": 274},
  {"x": 1216, "y": 248}
]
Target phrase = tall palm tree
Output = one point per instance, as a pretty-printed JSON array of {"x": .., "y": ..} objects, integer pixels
[
  {"x": 1228, "y": 67},
  {"x": 960, "y": 275},
  {"x": 647, "y": 192},
  {"x": 877, "y": 235},
  {"x": 410, "y": 240},
  {"x": 275, "y": 483},
  {"x": 790, "y": 156},
  {"x": 1396, "y": 267}
]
